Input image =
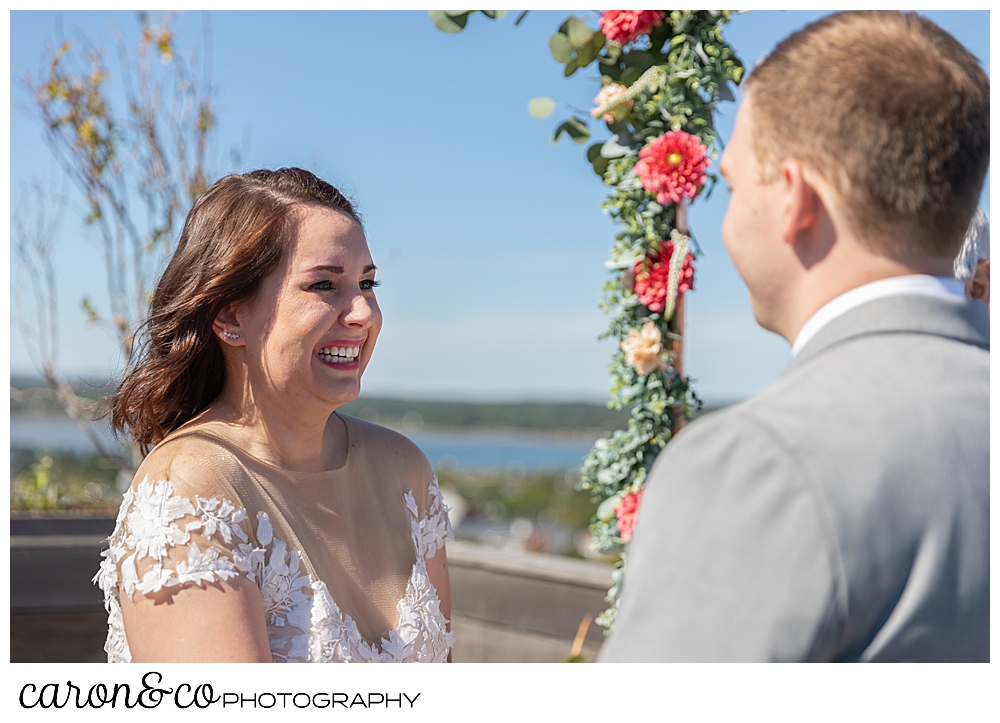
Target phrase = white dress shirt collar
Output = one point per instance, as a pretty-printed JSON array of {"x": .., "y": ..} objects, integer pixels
[{"x": 920, "y": 285}]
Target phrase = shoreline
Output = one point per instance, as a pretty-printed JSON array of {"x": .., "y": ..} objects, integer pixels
[{"x": 465, "y": 433}]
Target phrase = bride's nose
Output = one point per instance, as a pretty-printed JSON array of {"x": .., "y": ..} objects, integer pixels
[{"x": 361, "y": 312}]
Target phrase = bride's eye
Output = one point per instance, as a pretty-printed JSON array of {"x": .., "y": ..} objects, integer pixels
[
  {"x": 370, "y": 284},
  {"x": 326, "y": 285}
]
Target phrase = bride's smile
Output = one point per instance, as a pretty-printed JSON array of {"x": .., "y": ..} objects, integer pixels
[
  {"x": 341, "y": 354},
  {"x": 310, "y": 331}
]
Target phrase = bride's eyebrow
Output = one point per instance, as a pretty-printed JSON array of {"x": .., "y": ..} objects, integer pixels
[{"x": 340, "y": 269}]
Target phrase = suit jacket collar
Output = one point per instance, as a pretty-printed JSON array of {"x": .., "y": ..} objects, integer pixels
[{"x": 959, "y": 319}]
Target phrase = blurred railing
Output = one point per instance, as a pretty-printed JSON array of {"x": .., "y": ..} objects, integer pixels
[{"x": 506, "y": 607}]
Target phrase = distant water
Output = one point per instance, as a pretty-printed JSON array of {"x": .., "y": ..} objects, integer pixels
[
  {"x": 513, "y": 451},
  {"x": 529, "y": 452},
  {"x": 53, "y": 434}
]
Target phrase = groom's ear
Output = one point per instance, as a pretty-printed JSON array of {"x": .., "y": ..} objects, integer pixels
[
  {"x": 801, "y": 200},
  {"x": 805, "y": 214}
]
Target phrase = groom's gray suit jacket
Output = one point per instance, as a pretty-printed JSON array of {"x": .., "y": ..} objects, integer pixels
[{"x": 842, "y": 514}]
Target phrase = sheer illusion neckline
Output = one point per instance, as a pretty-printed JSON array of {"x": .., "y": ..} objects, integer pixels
[
  {"x": 293, "y": 598},
  {"x": 242, "y": 452}
]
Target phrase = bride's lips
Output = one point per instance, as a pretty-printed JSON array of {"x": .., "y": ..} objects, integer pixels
[{"x": 341, "y": 354}]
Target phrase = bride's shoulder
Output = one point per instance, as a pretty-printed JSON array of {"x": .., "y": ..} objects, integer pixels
[
  {"x": 388, "y": 451},
  {"x": 194, "y": 462}
]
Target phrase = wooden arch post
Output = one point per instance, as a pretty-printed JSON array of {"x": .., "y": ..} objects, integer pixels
[{"x": 677, "y": 347}]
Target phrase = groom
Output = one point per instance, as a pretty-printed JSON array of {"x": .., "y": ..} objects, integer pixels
[{"x": 842, "y": 514}]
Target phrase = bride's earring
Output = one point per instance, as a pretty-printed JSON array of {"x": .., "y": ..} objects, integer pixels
[{"x": 230, "y": 335}]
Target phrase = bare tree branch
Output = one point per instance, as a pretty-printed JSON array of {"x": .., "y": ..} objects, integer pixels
[{"x": 137, "y": 170}]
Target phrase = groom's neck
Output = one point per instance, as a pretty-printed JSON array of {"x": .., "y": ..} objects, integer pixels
[{"x": 848, "y": 265}]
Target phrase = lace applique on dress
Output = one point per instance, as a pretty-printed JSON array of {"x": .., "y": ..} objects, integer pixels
[
  {"x": 150, "y": 551},
  {"x": 421, "y": 635},
  {"x": 435, "y": 527}
]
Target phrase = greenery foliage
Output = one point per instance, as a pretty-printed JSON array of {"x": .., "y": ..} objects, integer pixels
[
  {"x": 59, "y": 481},
  {"x": 672, "y": 74}
]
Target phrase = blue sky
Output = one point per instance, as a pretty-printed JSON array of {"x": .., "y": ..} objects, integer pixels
[{"x": 489, "y": 239}]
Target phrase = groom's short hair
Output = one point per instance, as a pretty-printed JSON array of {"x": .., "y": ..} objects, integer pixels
[{"x": 893, "y": 112}]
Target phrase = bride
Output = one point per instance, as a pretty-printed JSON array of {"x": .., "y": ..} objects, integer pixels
[{"x": 263, "y": 525}]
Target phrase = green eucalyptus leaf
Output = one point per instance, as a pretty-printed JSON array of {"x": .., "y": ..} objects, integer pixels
[
  {"x": 638, "y": 59},
  {"x": 585, "y": 55},
  {"x": 594, "y": 152},
  {"x": 561, "y": 48},
  {"x": 494, "y": 14},
  {"x": 575, "y": 128},
  {"x": 597, "y": 42},
  {"x": 629, "y": 76},
  {"x": 578, "y": 130},
  {"x": 606, "y": 510},
  {"x": 571, "y": 67},
  {"x": 458, "y": 13},
  {"x": 658, "y": 37},
  {"x": 597, "y": 161},
  {"x": 541, "y": 107},
  {"x": 578, "y": 31},
  {"x": 448, "y": 23}
]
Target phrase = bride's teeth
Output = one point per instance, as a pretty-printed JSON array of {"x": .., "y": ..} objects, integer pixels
[{"x": 339, "y": 353}]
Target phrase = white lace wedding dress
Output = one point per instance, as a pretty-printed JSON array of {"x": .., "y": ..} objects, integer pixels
[{"x": 363, "y": 532}]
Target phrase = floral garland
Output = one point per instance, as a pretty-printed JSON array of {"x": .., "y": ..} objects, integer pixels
[{"x": 662, "y": 74}]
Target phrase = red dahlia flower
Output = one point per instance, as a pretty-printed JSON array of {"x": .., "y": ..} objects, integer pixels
[
  {"x": 624, "y": 26},
  {"x": 652, "y": 275},
  {"x": 626, "y": 512},
  {"x": 673, "y": 166}
]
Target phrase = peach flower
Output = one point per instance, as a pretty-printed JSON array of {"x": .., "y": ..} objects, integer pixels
[
  {"x": 644, "y": 349},
  {"x": 608, "y": 94}
]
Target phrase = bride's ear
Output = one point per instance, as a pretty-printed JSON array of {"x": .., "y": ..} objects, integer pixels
[{"x": 227, "y": 327}]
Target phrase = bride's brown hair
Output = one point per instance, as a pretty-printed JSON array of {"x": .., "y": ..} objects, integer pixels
[{"x": 234, "y": 236}]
